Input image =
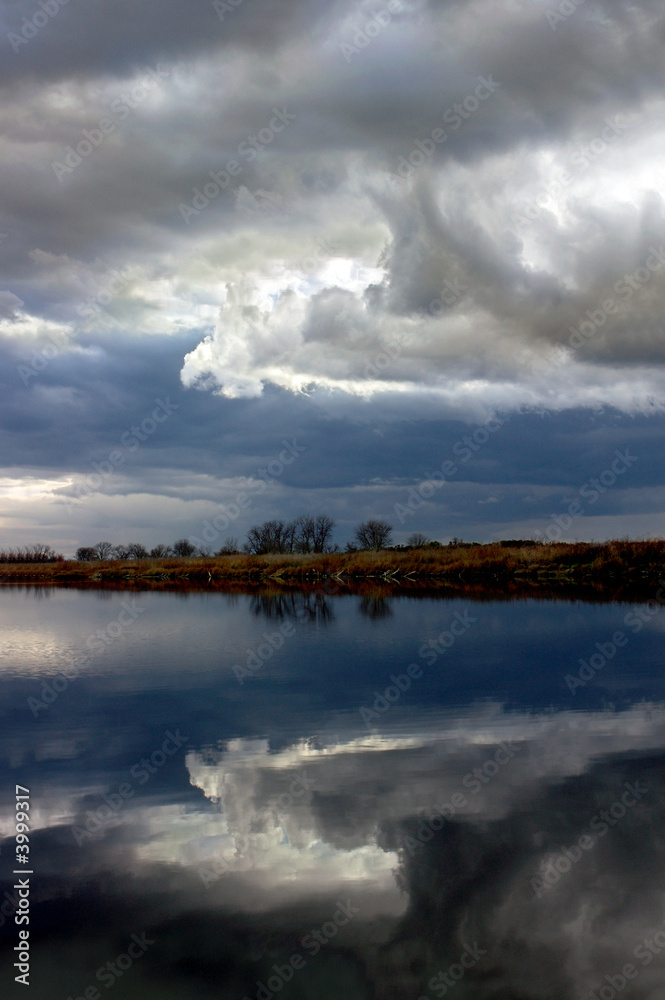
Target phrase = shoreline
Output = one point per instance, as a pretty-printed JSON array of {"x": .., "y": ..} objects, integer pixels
[{"x": 586, "y": 568}]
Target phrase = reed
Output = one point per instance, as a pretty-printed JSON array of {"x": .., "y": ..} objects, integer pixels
[{"x": 493, "y": 565}]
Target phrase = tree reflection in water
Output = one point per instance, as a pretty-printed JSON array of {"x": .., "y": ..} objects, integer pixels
[
  {"x": 374, "y": 607},
  {"x": 314, "y": 608}
]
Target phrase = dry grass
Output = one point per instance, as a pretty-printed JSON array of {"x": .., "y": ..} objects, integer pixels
[{"x": 489, "y": 566}]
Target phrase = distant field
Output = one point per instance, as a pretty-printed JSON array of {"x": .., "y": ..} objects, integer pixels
[{"x": 617, "y": 564}]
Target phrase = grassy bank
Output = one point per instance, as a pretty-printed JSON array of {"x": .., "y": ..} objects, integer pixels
[{"x": 606, "y": 566}]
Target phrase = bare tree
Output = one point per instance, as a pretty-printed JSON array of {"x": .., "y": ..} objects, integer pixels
[
  {"x": 137, "y": 551},
  {"x": 132, "y": 551},
  {"x": 257, "y": 540},
  {"x": 323, "y": 531},
  {"x": 417, "y": 540},
  {"x": 305, "y": 532},
  {"x": 229, "y": 548},
  {"x": 183, "y": 547},
  {"x": 38, "y": 553},
  {"x": 373, "y": 534},
  {"x": 41, "y": 553},
  {"x": 85, "y": 554},
  {"x": 103, "y": 550},
  {"x": 288, "y": 536},
  {"x": 160, "y": 552},
  {"x": 271, "y": 536}
]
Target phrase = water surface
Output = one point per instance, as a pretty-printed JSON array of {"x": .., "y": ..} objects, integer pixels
[{"x": 314, "y": 796}]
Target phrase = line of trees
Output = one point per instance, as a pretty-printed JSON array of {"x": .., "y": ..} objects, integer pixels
[
  {"x": 314, "y": 534},
  {"x": 31, "y": 554},
  {"x": 305, "y": 533},
  {"x": 105, "y": 551}
]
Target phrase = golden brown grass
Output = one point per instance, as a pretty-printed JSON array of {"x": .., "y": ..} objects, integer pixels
[{"x": 491, "y": 566}]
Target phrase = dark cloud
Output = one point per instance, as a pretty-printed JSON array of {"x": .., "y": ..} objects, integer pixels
[
  {"x": 87, "y": 42},
  {"x": 347, "y": 278}
]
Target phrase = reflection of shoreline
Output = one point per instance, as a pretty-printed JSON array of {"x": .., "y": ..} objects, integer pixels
[{"x": 372, "y": 591}]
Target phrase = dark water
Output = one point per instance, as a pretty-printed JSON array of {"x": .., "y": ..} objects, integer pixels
[{"x": 304, "y": 797}]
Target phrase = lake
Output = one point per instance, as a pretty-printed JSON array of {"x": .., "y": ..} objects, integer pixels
[{"x": 312, "y": 795}]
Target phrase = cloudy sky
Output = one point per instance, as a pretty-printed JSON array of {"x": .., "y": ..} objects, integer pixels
[{"x": 346, "y": 234}]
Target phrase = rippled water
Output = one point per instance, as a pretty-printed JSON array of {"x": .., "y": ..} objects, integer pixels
[{"x": 320, "y": 797}]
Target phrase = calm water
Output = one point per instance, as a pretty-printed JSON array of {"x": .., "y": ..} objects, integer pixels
[{"x": 333, "y": 797}]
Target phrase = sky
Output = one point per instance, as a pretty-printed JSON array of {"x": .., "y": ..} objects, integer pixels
[{"x": 398, "y": 259}]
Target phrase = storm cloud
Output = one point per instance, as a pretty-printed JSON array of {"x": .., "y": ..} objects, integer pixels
[{"x": 371, "y": 225}]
